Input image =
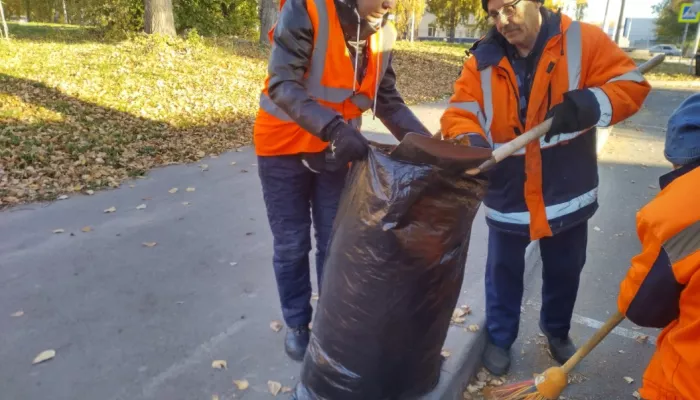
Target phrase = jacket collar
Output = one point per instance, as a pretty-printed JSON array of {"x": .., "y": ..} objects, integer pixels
[
  {"x": 492, "y": 48},
  {"x": 666, "y": 179}
]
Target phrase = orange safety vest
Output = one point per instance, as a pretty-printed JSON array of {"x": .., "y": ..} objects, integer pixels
[
  {"x": 662, "y": 288},
  {"x": 546, "y": 187},
  {"x": 329, "y": 80}
]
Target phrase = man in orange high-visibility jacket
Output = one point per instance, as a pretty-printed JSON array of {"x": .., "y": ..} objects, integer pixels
[
  {"x": 330, "y": 62},
  {"x": 533, "y": 64},
  {"x": 662, "y": 287}
]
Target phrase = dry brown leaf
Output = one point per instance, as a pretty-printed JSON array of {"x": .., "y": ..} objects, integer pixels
[
  {"x": 62, "y": 197},
  {"x": 473, "y": 328},
  {"x": 276, "y": 326},
  {"x": 458, "y": 312},
  {"x": 186, "y": 203},
  {"x": 628, "y": 379},
  {"x": 190, "y": 189},
  {"x": 17, "y": 314},
  {"x": 86, "y": 229},
  {"x": 286, "y": 389},
  {"x": 482, "y": 376},
  {"x": 472, "y": 389},
  {"x": 44, "y": 356},
  {"x": 150, "y": 244},
  {"x": 219, "y": 364},
  {"x": 642, "y": 339},
  {"x": 141, "y": 207},
  {"x": 274, "y": 387},
  {"x": 233, "y": 163},
  {"x": 172, "y": 191},
  {"x": 496, "y": 382},
  {"x": 445, "y": 353},
  {"x": 636, "y": 395},
  {"x": 110, "y": 210},
  {"x": 204, "y": 167},
  {"x": 242, "y": 384},
  {"x": 466, "y": 309},
  {"x": 90, "y": 192},
  {"x": 58, "y": 231},
  {"x": 458, "y": 320}
]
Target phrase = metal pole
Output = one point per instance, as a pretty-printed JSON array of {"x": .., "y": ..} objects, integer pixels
[
  {"x": 619, "y": 22},
  {"x": 605, "y": 17},
  {"x": 695, "y": 48},
  {"x": 685, "y": 35}
]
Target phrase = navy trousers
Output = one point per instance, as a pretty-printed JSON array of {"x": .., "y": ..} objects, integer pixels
[
  {"x": 563, "y": 257},
  {"x": 296, "y": 197}
]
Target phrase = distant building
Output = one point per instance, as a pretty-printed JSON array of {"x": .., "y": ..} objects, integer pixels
[
  {"x": 638, "y": 33},
  {"x": 428, "y": 30}
]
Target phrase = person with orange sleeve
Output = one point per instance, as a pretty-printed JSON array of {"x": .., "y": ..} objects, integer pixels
[
  {"x": 532, "y": 65},
  {"x": 662, "y": 287},
  {"x": 331, "y": 60}
]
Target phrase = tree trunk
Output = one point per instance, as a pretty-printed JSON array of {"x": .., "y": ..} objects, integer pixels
[
  {"x": 65, "y": 13},
  {"x": 158, "y": 17},
  {"x": 4, "y": 23},
  {"x": 29, "y": 10},
  {"x": 268, "y": 16}
]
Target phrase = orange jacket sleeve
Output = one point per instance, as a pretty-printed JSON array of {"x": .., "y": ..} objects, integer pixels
[
  {"x": 612, "y": 76},
  {"x": 651, "y": 291},
  {"x": 465, "y": 105}
]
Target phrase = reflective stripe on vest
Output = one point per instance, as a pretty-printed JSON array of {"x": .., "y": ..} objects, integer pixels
[{"x": 553, "y": 211}]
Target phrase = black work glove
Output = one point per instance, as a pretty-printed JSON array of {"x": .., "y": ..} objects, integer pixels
[
  {"x": 347, "y": 143},
  {"x": 578, "y": 111}
]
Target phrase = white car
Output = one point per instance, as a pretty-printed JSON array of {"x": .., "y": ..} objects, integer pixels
[{"x": 668, "y": 49}]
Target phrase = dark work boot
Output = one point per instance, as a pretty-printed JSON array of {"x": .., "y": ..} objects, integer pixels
[
  {"x": 496, "y": 359},
  {"x": 560, "y": 349},
  {"x": 296, "y": 341}
]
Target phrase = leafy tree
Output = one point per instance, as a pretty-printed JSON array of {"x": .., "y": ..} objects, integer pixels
[
  {"x": 581, "y": 6},
  {"x": 403, "y": 12},
  {"x": 668, "y": 28},
  {"x": 450, "y": 13},
  {"x": 554, "y": 4}
]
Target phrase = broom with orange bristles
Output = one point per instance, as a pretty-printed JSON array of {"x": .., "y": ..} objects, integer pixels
[{"x": 553, "y": 381}]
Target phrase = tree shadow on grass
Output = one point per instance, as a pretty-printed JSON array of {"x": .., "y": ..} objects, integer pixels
[
  {"x": 87, "y": 146},
  {"x": 55, "y": 33}
]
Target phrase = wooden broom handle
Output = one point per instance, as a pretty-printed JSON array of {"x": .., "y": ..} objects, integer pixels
[
  {"x": 583, "y": 351},
  {"x": 540, "y": 130}
]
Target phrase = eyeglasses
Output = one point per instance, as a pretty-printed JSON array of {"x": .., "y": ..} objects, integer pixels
[{"x": 507, "y": 11}]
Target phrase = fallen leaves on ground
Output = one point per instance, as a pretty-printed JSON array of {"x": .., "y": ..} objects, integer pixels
[
  {"x": 445, "y": 353},
  {"x": 458, "y": 316},
  {"x": 172, "y": 191},
  {"x": 473, "y": 328},
  {"x": 58, "y": 230},
  {"x": 274, "y": 387},
  {"x": 219, "y": 364},
  {"x": 286, "y": 389},
  {"x": 642, "y": 339},
  {"x": 628, "y": 379},
  {"x": 44, "y": 356},
  {"x": 149, "y": 244},
  {"x": 314, "y": 296},
  {"x": 190, "y": 189},
  {"x": 85, "y": 123},
  {"x": 17, "y": 314},
  {"x": 241, "y": 384},
  {"x": 636, "y": 395},
  {"x": 276, "y": 326},
  {"x": 86, "y": 229},
  {"x": 482, "y": 380},
  {"x": 110, "y": 210},
  {"x": 141, "y": 207}
]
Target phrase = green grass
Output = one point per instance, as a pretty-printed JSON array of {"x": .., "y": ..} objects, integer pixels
[{"x": 80, "y": 113}]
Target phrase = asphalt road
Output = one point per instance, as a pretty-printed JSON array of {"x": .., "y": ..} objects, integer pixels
[{"x": 630, "y": 165}]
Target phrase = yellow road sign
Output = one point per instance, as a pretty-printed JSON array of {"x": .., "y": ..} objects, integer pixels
[{"x": 688, "y": 14}]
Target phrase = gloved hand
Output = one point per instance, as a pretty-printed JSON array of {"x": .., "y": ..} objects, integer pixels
[
  {"x": 470, "y": 139},
  {"x": 346, "y": 142},
  {"x": 578, "y": 111}
]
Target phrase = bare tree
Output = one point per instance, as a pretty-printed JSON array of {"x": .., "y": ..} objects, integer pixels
[
  {"x": 65, "y": 13},
  {"x": 158, "y": 17},
  {"x": 268, "y": 16}
]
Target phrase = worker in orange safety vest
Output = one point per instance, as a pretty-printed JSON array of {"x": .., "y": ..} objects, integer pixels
[
  {"x": 662, "y": 287},
  {"x": 331, "y": 60},
  {"x": 534, "y": 64}
]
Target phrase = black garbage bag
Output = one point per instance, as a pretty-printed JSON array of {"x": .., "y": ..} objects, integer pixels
[{"x": 391, "y": 281}]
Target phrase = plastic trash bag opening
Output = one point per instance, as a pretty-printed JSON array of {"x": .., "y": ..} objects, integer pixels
[{"x": 392, "y": 278}]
